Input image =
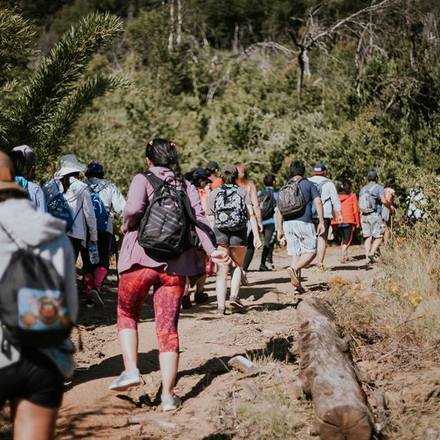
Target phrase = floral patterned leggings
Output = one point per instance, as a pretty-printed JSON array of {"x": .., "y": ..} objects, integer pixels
[{"x": 168, "y": 291}]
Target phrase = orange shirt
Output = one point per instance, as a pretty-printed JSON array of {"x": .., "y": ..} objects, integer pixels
[{"x": 349, "y": 209}]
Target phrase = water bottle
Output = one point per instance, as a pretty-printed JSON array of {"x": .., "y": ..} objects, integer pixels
[{"x": 93, "y": 253}]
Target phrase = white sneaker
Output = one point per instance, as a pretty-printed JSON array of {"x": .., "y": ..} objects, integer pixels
[
  {"x": 170, "y": 403},
  {"x": 126, "y": 380}
]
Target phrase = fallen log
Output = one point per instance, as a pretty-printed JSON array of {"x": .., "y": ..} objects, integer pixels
[{"x": 328, "y": 376}]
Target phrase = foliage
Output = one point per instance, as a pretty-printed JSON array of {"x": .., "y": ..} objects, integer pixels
[{"x": 57, "y": 91}]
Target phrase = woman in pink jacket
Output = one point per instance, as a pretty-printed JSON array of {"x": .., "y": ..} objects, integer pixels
[{"x": 140, "y": 271}]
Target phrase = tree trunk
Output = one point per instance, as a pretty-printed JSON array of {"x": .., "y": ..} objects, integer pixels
[
  {"x": 300, "y": 81},
  {"x": 236, "y": 41},
  {"x": 306, "y": 63},
  {"x": 179, "y": 23},
  {"x": 327, "y": 374},
  {"x": 172, "y": 26}
]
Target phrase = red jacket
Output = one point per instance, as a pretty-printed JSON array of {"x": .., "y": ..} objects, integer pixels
[{"x": 350, "y": 209}]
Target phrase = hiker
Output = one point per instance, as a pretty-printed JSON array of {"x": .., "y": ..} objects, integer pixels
[
  {"x": 69, "y": 199},
  {"x": 156, "y": 253},
  {"x": 249, "y": 186},
  {"x": 388, "y": 212},
  {"x": 213, "y": 169},
  {"x": 107, "y": 200},
  {"x": 416, "y": 203},
  {"x": 199, "y": 177},
  {"x": 230, "y": 210},
  {"x": 295, "y": 201},
  {"x": 350, "y": 220},
  {"x": 371, "y": 200},
  {"x": 24, "y": 160},
  {"x": 37, "y": 287},
  {"x": 267, "y": 198},
  {"x": 331, "y": 206}
]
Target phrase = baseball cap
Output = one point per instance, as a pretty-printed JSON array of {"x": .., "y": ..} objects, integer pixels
[
  {"x": 372, "y": 175},
  {"x": 319, "y": 168}
]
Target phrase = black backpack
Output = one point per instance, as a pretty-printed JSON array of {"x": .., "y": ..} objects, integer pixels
[
  {"x": 33, "y": 304},
  {"x": 165, "y": 229},
  {"x": 291, "y": 200},
  {"x": 267, "y": 202}
]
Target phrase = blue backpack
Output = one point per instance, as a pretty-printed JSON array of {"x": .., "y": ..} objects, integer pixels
[
  {"x": 101, "y": 212},
  {"x": 57, "y": 204}
]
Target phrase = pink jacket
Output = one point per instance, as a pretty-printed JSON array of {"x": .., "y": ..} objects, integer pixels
[{"x": 133, "y": 254}]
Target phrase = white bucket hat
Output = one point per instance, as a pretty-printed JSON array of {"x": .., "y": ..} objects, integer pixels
[{"x": 69, "y": 164}]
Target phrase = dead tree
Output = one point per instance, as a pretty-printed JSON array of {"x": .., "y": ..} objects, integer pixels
[
  {"x": 307, "y": 34},
  {"x": 327, "y": 374}
]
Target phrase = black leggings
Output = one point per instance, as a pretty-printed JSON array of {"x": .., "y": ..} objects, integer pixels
[
  {"x": 104, "y": 248},
  {"x": 268, "y": 231}
]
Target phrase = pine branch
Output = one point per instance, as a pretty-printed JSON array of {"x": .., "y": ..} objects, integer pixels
[
  {"x": 53, "y": 132},
  {"x": 58, "y": 73}
]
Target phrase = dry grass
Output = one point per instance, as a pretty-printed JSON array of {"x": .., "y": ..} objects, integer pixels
[{"x": 264, "y": 407}]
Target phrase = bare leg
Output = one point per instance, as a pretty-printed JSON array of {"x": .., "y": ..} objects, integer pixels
[
  {"x": 322, "y": 247},
  {"x": 367, "y": 244},
  {"x": 303, "y": 261},
  {"x": 34, "y": 422},
  {"x": 221, "y": 286},
  {"x": 128, "y": 338},
  {"x": 235, "y": 283},
  {"x": 375, "y": 246},
  {"x": 169, "y": 364}
]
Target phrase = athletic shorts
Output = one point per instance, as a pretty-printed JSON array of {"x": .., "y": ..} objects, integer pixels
[
  {"x": 372, "y": 225},
  {"x": 237, "y": 238},
  {"x": 345, "y": 232},
  {"x": 300, "y": 237},
  {"x": 34, "y": 378}
]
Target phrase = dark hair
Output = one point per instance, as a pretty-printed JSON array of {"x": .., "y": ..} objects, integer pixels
[
  {"x": 212, "y": 167},
  {"x": 297, "y": 168},
  {"x": 269, "y": 180},
  {"x": 163, "y": 153},
  {"x": 230, "y": 175},
  {"x": 21, "y": 165},
  {"x": 344, "y": 186},
  {"x": 12, "y": 193}
]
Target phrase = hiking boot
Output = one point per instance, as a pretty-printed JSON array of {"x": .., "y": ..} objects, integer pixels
[
  {"x": 170, "y": 403},
  {"x": 294, "y": 277},
  {"x": 95, "y": 296},
  {"x": 201, "y": 297},
  {"x": 186, "y": 302},
  {"x": 264, "y": 268},
  {"x": 237, "y": 306},
  {"x": 300, "y": 290},
  {"x": 126, "y": 380}
]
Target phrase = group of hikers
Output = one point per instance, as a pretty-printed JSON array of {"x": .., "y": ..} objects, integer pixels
[{"x": 178, "y": 229}]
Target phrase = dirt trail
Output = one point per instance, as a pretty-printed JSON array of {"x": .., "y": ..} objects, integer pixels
[{"x": 207, "y": 343}]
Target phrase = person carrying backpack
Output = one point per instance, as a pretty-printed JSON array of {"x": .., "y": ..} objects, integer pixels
[
  {"x": 107, "y": 200},
  {"x": 38, "y": 307},
  {"x": 267, "y": 198},
  {"x": 331, "y": 206},
  {"x": 295, "y": 201},
  {"x": 161, "y": 211},
  {"x": 69, "y": 199},
  {"x": 229, "y": 210},
  {"x": 351, "y": 218},
  {"x": 24, "y": 160},
  {"x": 371, "y": 199}
]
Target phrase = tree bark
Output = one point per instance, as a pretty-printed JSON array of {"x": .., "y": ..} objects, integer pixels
[
  {"x": 172, "y": 27},
  {"x": 179, "y": 23},
  {"x": 327, "y": 374}
]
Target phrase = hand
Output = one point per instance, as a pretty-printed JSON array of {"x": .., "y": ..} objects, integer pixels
[
  {"x": 260, "y": 227},
  {"x": 257, "y": 242},
  {"x": 320, "y": 229},
  {"x": 338, "y": 218},
  {"x": 220, "y": 256},
  {"x": 282, "y": 240}
]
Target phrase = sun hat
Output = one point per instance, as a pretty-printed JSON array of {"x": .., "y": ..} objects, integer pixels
[
  {"x": 69, "y": 164},
  {"x": 27, "y": 152},
  {"x": 319, "y": 168}
]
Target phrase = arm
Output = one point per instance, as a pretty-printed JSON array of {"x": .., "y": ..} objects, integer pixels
[
  {"x": 40, "y": 200},
  {"x": 320, "y": 211},
  {"x": 255, "y": 204},
  {"x": 89, "y": 214},
  {"x": 279, "y": 224},
  {"x": 137, "y": 200},
  {"x": 203, "y": 231},
  {"x": 118, "y": 200},
  {"x": 70, "y": 278},
  {"x": 356, "y": 212},
  {"x": 254, "y": 227},
  {"x": 336, "y": 203}
]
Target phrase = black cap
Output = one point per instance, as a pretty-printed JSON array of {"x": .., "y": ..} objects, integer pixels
[{"x": 319, "y": 168}]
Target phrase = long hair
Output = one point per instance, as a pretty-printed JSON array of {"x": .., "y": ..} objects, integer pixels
[{"x": 163, "y": 153}]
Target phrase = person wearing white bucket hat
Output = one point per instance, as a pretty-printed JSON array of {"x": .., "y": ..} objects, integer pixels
[{"x": 81, "y": 225}]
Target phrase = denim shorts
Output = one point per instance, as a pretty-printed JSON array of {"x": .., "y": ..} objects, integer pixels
[{"x": 300, "y": 237}]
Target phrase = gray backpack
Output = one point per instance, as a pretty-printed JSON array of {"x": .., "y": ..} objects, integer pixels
[
  {"x": 367, "y": 202},
  {"x": 230, "y": 209},
  {"x": 291, "y": 201}
]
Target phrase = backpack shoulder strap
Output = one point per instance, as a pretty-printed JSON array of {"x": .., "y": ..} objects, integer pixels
[{"x": 156, "y": 182}]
